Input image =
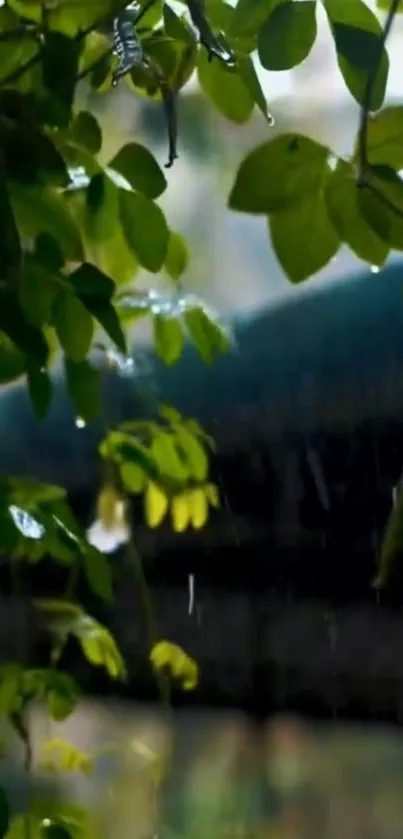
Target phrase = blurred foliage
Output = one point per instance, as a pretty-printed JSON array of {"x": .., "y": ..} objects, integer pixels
[{"x": 74, "y": 232}]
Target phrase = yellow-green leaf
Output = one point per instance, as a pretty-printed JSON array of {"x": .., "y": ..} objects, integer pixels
[
  {"x": 168, "y": 338},
  {"x": 155, "y": 505},
  {"x": 180, "y": 512},
  {"x": 60, "y": 756},
  {"x": 166, "y": 656},
  {"x": 198, "y": 506},
  {"x": 177, "y": 256}
]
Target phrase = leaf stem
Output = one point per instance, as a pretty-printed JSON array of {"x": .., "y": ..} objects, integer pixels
[{"x": 366, "y": 106}]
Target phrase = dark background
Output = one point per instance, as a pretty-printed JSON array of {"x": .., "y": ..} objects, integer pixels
[{"x": 307, "y": 412}]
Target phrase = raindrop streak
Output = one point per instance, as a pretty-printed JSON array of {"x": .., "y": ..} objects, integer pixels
[
  {"x": 318, "y": 476},
  {"x": 80, "y": 423},
  {"x": 191, "y": 603}
]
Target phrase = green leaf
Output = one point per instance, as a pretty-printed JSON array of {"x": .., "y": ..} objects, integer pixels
[
  {"x": 381, "y": 203},
  {"x": 29, "y": 156},
  {"x": 193, "y": 453},
  {"x": 177, "y": 28},
  {"x": 168, "y": 338},
  {"x": 140, "y": 169},
  {"x": 344, "y": 210},
  {"x": 124, "y": 448},
  {"x": 356, "y": 32},
  {"x": 4, "y": 813},
  {"x": 17, "y": 51},
  {"x": 278, "y": 173},
  {"x": 40, "y": 390},
  {"x": 303, "y": 237},
  {"x": 22, "y": 824},
  {"x": 10, "y": 246},
  {"x": 114, "y": 257},
  {"x": 250, "y": 15},
  {"x": 74, "y": 325},
  {"x": 12, "y": 361},
  {"x": 70, "y": 16},
  {"x": 84, "y": 387},
  {"x": 28, "y": 338},
  {"x": 168, "y": 458},
  {"x": 133, "y": 477},
  {"x": 288, "y": 35},
  {"x": 44, "y": 211},
  {"x": 175, "y": 60},
  {"x": 98, "y": 572},
  {"x": 207, "y": 335},
  {"x": 392, "y": 543},
  {"x": 98, "y": 645},
  {"x": 225, "y": 88},
  {"x": 151, "y": 15},
  {"x": 385, "y": 137},
  {"x": 386, "y": 4},
  {"x": 102, "y": 207},
  {"x": 48, "y": 253},
  {"x": 145, "y": 229},
  {"x": 177, "y": 256},
  {"x": 85, "y": 131},
  {"x": 61, "y": 693},
  {"x": 247, "y": 71},
  {"x": 89, "y": 282},
  {"x": 95, "y": 291},
  {"x": 60, "y": 58},
  {"x": 107, "y": 317},
  {"x": 38, "y": 289}
]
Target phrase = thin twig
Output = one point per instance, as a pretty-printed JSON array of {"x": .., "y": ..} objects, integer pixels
[{"x": 368, "y": 94}]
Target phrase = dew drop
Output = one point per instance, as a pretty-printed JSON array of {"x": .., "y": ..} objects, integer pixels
[
  {"x": 80, "y": 423},
  {"x": 375, "y": 269}
]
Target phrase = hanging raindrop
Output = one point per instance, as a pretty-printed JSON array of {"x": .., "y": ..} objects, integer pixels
[
  {"x": 80, "y": 422},
  {"x": 191, "y": 601}
]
